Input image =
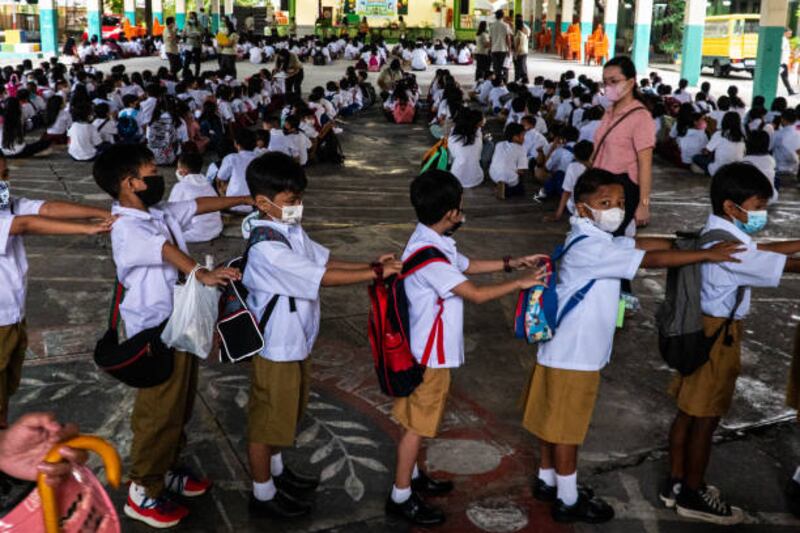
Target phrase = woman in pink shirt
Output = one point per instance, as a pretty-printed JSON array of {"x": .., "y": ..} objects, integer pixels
[{"x": 625, "y": 139}]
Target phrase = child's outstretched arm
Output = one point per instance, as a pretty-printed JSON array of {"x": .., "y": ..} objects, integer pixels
[
  {"x": 69, "y": 210},
  {"x": 782, "y": 247},
  {"x": 351, "y": 275},
  {"x": 652, "y": 244},
  {"x": 185, "y": 264},
  {"x": 483, "y": 266},
  {"x": 719, "y": 253},
  {"x": 39, "y": 225},
  {"x": 339, "y": 264},
  {"x": 479, "y": 294},
  {"x": 210, "y": 204}
]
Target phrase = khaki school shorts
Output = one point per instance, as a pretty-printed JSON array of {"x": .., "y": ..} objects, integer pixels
[
  {"x": 278, "y": 398},
  {"x": 708, "y": 392},
  {"x": 13, "y": 345},
  {"x": 560, "y": 404},
  {"x": 422, "y": 411}
]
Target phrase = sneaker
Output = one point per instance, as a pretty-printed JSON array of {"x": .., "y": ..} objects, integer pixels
[
  {"x": 591, "y": 510},
  {"x": 539, "y": 197},
  {"x": 183, "y": 482},
  {"x": 282, "y": 506},
  {"x": 159, "y": 513},
  {"x": 424, "y": 484},
  {"x": 707, "y": 505},
  {"x": 415, "y": 511},
  {"x": 669, "y": 492}
]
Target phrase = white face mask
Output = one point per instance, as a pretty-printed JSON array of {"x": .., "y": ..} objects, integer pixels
[
  {"x": 290, "y": 214},
  {"x": 608, "y": 220}
]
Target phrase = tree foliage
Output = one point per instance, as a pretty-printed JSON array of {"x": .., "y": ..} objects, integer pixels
[{"x": 670, "y": 24}]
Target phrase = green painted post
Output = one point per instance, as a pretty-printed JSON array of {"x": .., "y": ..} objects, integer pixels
[
  {"x": 772, "y": 25},
  {"x": 642, "y": 22}
]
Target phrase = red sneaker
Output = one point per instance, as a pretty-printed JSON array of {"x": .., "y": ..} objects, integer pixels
[
  {"x": 183, "y": 482},
  {"x": 159, "y": 513}
]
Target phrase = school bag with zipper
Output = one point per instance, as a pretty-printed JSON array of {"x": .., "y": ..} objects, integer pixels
[
  {"x": 240, "y": 333},
  {"x": 397, "y": 369},
  {"x": 681, "y": 337},
  {"x": 538, "y": 315}
]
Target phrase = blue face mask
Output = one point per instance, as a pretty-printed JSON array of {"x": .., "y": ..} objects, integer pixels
[
  {"x": 756, "y": 220},
  {"x": 5, "y": 195}
]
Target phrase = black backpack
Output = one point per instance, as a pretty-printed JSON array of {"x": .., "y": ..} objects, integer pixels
[
  {"x": 330, "y": 150},
  {"x": 319, "y": 58},
  {"x": 681, "y": 338},
  {"x": 241, "y": 335}
]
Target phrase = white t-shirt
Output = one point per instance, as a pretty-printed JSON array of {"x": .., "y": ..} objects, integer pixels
[
  {"x": 766, "y": 164},
  {"x": 256, "y": 55},
  {"x": 203, "y": 227},
  {"x": 83, "y": 139},
  {"x": 295, "y": 145},
  {"x": 14, "y": 262},
  {"x": 508, "y": 159},
  {"x": 785, "y": 146},
  {"x": 62, "y": 123},
  {"x": 233, "y": 169},
  {"x": 724, "y": 150},
  {"x": 574, "y": 171},
  {"x": 424, "y": 290},
  {"x": 692, "y": 144},
  {"x": 534, "y": 143},
  {"x": 108, "y": 130},
  {"x": 466, "y": 160}
]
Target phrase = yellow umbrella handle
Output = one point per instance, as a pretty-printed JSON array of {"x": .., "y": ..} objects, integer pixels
[{"x": 100, "y": 446}]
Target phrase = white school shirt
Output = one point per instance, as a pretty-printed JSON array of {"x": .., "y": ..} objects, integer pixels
[
  {"x": 425, "y": 287},
  {"x": 256, "y": 55},
  {"x": 766, "y": 164},
  {"x": 108, "y": 131},
  {"x": 62, "y": 123},
  {"x": 495, "y": 94},
  {"x": 508, "y": 159},
  {"x": 720, "y": 281},
  {"x": 83, "y": 140},
  {"x": 146, "y": 109},
  {"x": 294, "y": 145},
  {"x": 585, "y": 337},
  {"x": 534, "y": 142},
  {"x": 588, "y": 131},
  {"x": 233, "y": 170},
  {"x": 419, "y": 59},
  {"x": 191, "y": 187},
  {"x": 14, "y": 262},
  {"x": 564, "y": 110},
  {"x": 692, "y": 144},
  {"x": 273, "y": 269},
  {"x": 561, "y": 158},
  {"x": 466, "y": 160},
  {"x": 137, "y": 240},
  {"x": 785, "y": 146},
  {"x": 574, "y": 171},
  {"x": 725, "y": 152}
]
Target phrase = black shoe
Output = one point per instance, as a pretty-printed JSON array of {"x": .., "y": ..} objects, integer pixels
[
  {"x": 547, "y": 494},
  {"x": 707, "y": 505},
  {"x": 416, "y": 511},
  {"x": 590, "y": 510},
  {"x": 293, "y": 482},
  {"x": 424, "y": 484},
  {"x": 793, "y": 497},
  {"x": 669, "y": 491},
  {"x": 282, "y": 506}
]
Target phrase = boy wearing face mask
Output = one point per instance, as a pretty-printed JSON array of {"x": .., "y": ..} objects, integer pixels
[
  {"x": 149, "y": 250},
  {"x": 18, "y": 217},
  {"x": 563, "y": 389},
  {"x": 739, "y": 197},
  {"x": 284, "y": 276},
  {"x": 437, "y": 292}
]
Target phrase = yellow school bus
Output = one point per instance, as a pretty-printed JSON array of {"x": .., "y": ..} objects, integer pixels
[{"x": 730, "y": 43}]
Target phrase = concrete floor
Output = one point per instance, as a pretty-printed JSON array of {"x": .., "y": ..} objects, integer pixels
[{"x": 362, "y": 210}]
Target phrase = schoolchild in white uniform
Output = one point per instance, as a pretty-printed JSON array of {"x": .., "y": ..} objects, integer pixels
[
  {"x": 149, "y": 251},
  {"x": 786, "y": 145},
  {"x": 437, "y": 199},
  {"x": 20, "y": 216},
  {"x": 280, "y": 379},
  {"x": 193, "y": 184},
  {"x": 535, "y": 144},
  {"x": 567, "y": 373},
  {"x": 758, "y": 155},
  {"x": 739, "y": 197},
  {"x": 290, "y": 140},
  {"x": 576, "y": 169},
  {"x": 510, "y": 162},
  {"x": 233, "y": 167}
]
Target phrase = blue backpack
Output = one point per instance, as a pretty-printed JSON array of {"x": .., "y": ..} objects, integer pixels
[{"x": 538, "y": 316}]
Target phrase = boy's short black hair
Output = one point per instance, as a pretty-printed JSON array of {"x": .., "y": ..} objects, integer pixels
[
  {"x": 583, "y": 150},
  {"x": 512, "y": 130},
  {"x": 789, "y": 116},
  {"x": 129, "y": 99},
  {"x": 192, "y": 161},
  {"x": 738, "y": 182},
  {"x": 591, "y": 180},
  {"x": 433, "y": 194},
  {"x": 274, "y": 173},
  {"x": 570, "y": 133},
  {"x": 245, "y": 138},
  {"x": 119, "y": 162}
]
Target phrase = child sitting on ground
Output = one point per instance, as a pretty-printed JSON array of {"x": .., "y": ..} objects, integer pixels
[
  {"x": 193, "y": 184},
  {"x": 583, "y": 154},
  {"x": 509, "y": 163}
]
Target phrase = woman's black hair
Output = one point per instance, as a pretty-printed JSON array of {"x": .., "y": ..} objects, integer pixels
[
  {"x": 481, "y": 28},
  {"x": 466, "y": 126},
  {"x": 13, "y": 127},
  {"x": 686, "y": 119},
  {"x": 53, "y": 108},
  {"x": 757, "y": 143},
  {"x": 738, "y": 182},
  {"x": 731, "y": 127}
]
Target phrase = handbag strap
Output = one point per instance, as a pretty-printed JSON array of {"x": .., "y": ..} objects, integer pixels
[
  {"x": 116, "y": 300},
  {"x": 613, "y": 126}
]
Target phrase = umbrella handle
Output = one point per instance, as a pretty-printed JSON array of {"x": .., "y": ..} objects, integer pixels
[{"x": 111, "y": 462}]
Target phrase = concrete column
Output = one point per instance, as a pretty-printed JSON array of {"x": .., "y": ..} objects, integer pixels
[
  {"x": 94, "y": 17},
  {"x": 642, "y": 22},
  {"x": 130, "y": 11},
  {"x": 214, "y": 16},
  {"x": 158, "y": 10},
  {"x": 48, "y": 26},
  {"x": 772, "y": 24},
  {"x": 692, "y": 51},
  {"x": 552, "y": 12},
  {"x": 587, "y": 20},
  {"x": 567, "y": 12},
  {"x": 610, "y": 18},
  {"x": 180, "y": 14},
  {"x": 537, "y": 15}
]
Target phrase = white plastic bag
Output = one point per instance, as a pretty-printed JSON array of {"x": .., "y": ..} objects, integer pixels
[{"x": 190, "y": 328}]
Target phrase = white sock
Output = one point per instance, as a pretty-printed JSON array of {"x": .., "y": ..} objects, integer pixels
[
  {"x": 415, "y": 473},
  {"x": 568, "y": 488},
  {"x": 400, "y": 495},
  {"x": 264, "y": 492},
  {"x": 796, "y": 475},
  {"x": 137, "y": 494},
  {"x": 548, "y": 475},
  {"x": 276, "y": 464}
]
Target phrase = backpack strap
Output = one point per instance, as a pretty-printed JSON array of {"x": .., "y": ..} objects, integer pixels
[
  {"x": 718, "y": 235},
  {"x": 422, "y": 258},
  {"x": 561, "y": 250},
  {"x": 263, "y": 234},
  {"x": 116, "y": 301},
  {"x": 574, "y": 300}
]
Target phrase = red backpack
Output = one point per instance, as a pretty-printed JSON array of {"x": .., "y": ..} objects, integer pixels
[
  {"x": 398, "y": 371},
  {"x": 403, "y": 113}
]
